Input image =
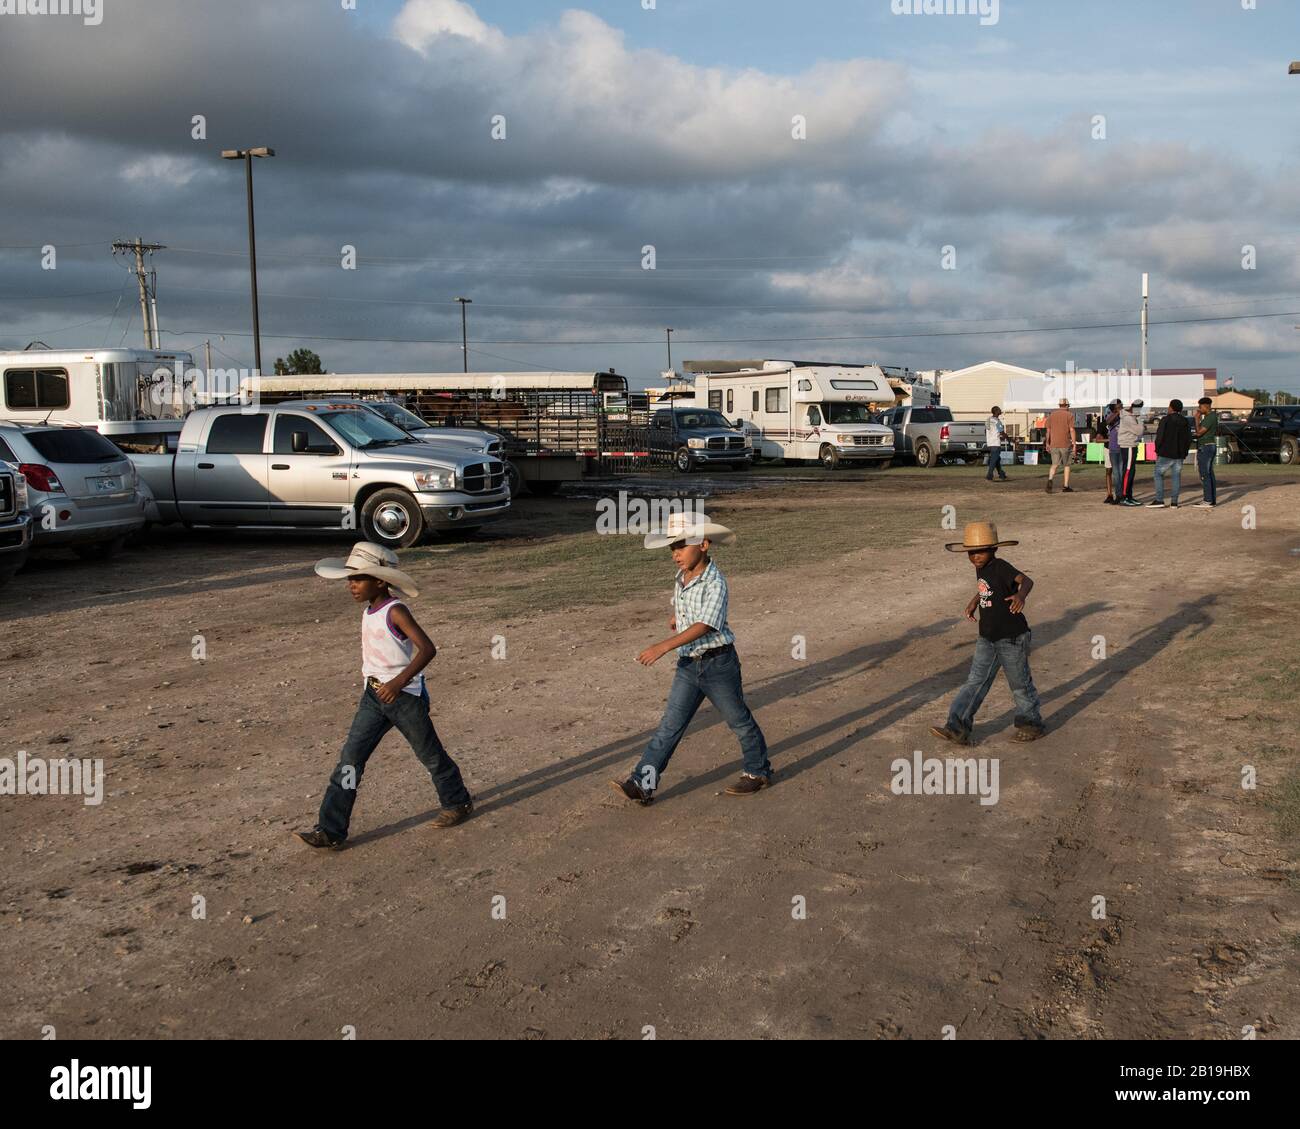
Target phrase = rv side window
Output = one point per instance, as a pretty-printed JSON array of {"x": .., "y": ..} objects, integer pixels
[
  {"x": 755, "y": 399},
  {"x": 715, "y": 400},
  {"x": 805, "y": 386},
  {"x": 36, "y": 388},
  {"x": 814, "y": 417},
  {"x": 237, "y": 435},
  {"x": 775, "y": 401},
  {"x": 731, "y": 401}
]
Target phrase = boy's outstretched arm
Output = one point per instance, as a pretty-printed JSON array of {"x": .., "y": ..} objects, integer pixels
[
  {"x": 652, "y": 655},
  {"x": 404, "y": 621},
  {"x": 1017, "y": 601}
]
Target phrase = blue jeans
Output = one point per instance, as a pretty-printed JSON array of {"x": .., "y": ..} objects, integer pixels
[
  {"x": 716, "y": 677},
  {"x": 1175, "y": 469},
  {"x": 1205, "y": 466},
  {"x": 410, "y": 716},
  {"x": 995, "y": 462},
  {"x": 1012, "y": 655}
]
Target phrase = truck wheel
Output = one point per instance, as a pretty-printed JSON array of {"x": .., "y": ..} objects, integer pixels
[
  {"x": 1289, "y": 455},
  {"x": 829, "y": 457},
  {"x": 514, "y": 479},
  {"x": 393, "y": 519},
  {"x": 924, "y": 456},
  {"x": 682, "y": 460}
]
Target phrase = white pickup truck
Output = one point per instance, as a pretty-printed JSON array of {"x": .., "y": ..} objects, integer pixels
[{"x": 328, "y": 465}]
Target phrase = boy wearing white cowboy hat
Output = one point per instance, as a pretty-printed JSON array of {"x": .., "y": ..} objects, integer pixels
[
  {"x": 707, "y": 666},
  {"x": 1001, "y": 591},
  {"x": 394, "y": 652}
]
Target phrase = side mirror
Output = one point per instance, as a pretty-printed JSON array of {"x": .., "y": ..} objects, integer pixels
[{"x": 299, "y": 442}]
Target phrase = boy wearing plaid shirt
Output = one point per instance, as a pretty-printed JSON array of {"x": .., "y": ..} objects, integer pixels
[{"x": 707, "y": 666}]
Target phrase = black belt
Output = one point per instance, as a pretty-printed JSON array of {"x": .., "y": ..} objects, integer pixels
[{"x": 712, "y": 652}]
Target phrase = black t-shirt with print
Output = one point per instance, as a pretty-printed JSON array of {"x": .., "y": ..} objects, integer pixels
[{"x": 997, "y": 581}]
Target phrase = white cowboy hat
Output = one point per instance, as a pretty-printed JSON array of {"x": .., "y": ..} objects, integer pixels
[
  {"x": 691, "y": 528},
  {"x": 368, "y": 559}
]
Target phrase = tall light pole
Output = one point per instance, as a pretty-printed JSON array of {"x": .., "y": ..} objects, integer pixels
[
  {"x": 670, "y": 351},
  {"x": 247, "y": 155},
  {"x": 1146, "y": 305},
  {"x": 464, "y": 336}
]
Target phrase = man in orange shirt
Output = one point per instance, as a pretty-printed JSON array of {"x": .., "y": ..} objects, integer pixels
[{"x": 1060, "y": 442}]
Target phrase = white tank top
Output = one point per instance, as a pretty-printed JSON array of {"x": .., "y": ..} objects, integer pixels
[{"x": 385, "y": 651}]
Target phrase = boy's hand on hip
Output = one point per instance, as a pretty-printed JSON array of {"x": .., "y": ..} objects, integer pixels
[
  {"x": 387, "y": 693},
  {"x": 651, "y": 655}
]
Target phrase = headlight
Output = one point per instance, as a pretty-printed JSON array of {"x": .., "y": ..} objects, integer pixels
[
  {"x": 435, "y": 479},
  {"x": 748, "y": 442},
  {"x": 845, "y": 439},
  {"x": 20, "y": 490},
  {"x": 697, "y": 444}
]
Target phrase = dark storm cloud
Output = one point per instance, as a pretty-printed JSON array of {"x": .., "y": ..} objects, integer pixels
[{"x": 384, "y": 144}]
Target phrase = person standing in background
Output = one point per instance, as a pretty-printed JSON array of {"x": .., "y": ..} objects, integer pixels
[
  {"x": 1207, "y": 441},
  {"x": 1130, "y": 435},
  {"x": 1060, "y": 444},
  {"x": 1114, "y": 459},
  {"x": 994, "y": 431},
  {"x": 1173, "y": 441}
]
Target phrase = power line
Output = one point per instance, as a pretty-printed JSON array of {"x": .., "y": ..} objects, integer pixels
[{"x": 758, "y": 340}]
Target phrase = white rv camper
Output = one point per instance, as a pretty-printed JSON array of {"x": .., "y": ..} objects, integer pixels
[{"x": 798, "y": 410}]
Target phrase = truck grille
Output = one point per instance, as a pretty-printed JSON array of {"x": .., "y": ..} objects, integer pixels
[
  {"x": 726, "y": 443},
  {"x": 8, "y": 496},
  {"x": 484, "y": 478},
  {"x": 871, "y": 441}
]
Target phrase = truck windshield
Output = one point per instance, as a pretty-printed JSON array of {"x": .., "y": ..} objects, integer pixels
[
  {"x": 847, "y": 413},
  {"x": 702, "y": 418},
  {"x": 396, "y": 414},
  {"x": 364, "y": 430}
]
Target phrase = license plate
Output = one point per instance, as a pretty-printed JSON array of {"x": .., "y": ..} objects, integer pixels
[{"x": 108, "y": 485}]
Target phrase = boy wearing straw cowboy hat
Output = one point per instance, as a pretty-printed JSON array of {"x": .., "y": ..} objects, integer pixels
[
  {"x": 1001, "y": 590},
  {"x": 707, "y": 666},
  {"x": 394, "y": 652}
]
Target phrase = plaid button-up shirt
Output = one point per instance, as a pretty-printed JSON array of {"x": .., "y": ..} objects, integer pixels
[{"x": 703, "y": 600}]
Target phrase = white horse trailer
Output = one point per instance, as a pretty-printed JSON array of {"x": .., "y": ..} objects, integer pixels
[
  {"x": 797, "y": 410},
  {"x": 132, "y": 396}
]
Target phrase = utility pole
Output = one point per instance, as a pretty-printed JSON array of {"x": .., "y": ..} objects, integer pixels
[
  {"x": 148, "y": 286},
  {"x": 247, "y": 155},
  {"x": 1146, "y": 300},
  {"x": 464, "y": 337},
  {"x": 670, "y": 351}
]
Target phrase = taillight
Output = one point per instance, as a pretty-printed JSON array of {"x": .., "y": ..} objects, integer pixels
[
  {"x": 41, "y": 478},
  {"x": 943, "y": 432}
]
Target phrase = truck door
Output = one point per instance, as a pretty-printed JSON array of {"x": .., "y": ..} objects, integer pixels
[
  {"x": 228, "y": 484},
  {"x": 309, "y": 486}
]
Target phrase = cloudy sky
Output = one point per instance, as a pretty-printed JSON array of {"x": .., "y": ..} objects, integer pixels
[{"x": 677, "y": 127}]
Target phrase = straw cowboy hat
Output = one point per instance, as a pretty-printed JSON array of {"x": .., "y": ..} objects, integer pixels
[
  {"x": 691, "y": 528},
  {"x": 978, "y": 535},
  {"x": 367, "y": 559}
]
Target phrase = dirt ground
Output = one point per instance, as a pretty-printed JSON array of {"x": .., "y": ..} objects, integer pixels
[{"x": 922, "y": 912}]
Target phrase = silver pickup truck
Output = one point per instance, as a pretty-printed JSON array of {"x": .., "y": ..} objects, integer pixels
[
  {"x": 15, "y": 521},
  {"x": 327, "y": 466},
  {"x": 931, "y": 434}
]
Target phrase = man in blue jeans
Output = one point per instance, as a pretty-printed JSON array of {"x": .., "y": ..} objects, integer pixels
[
  {"x": 1001, "y": 590},
  {"x": 1206, "y": 426},
  {"x": 1173, "y": 441},
  {"x": 707, "y": 666}
]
